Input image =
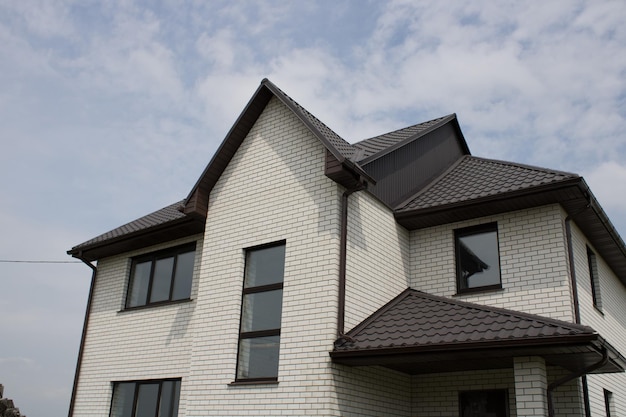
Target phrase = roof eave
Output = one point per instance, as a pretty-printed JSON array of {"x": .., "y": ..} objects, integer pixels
[
  {"x": 174, "y": 229},
  {"x": 461, "y": 207}
]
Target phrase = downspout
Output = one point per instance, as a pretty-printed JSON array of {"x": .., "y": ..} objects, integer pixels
[
  {"x": 341, "y": 315},
  {"x": 573, "y": 283},
  {"x": 94, "y": 271},
  {"x": 567, "y": 378}
]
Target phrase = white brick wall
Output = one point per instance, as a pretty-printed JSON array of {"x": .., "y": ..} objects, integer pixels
[
  {"x": 437, "y": 395},
  {"x": 275, "y": 189},
  {"x": 148, "y": 343},
  {"x": 610, "y": 323},
  {"x": 533, "y": 262},
  {"x": 378, "y": 258}
]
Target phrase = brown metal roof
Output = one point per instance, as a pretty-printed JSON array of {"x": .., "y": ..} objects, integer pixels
[
  {"x": 416, "y": 323},
  {"x": 473, "y": 178},
  {"x": 369, "y": 149},
  {"x": 162, "y": 225},
  {"x": 197, "y": 200}
]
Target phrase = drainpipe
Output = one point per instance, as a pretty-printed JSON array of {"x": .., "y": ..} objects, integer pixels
[
  {"x": 567, "y": 378},
  {"x": 94, "y": 271},
  {"x": 570, "y": 254},
  {"x": 342, "y": 257}
]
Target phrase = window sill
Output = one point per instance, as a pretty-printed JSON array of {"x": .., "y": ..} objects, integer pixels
[
  {"x": 479, "y": 290},
  {"x": 156, "y": 305},
  {"x": 272, "y": 381}
]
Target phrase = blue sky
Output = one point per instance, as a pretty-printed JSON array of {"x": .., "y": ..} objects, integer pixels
[{"x": 112, "y": 109}]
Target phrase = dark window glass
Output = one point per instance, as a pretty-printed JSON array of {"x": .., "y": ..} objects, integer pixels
[
  {"x": 170, "y": 391},
  {"x": 258, "y": 357},
  {"x": 145, "y": 399},
  {"x": 123, "y": 397},
  {"x": 182, "y": 277},
  {"x": 261, "y": 310},
  {"x": 608, "y": 403},
  {"x": 478, "y": 258},
  {"x": 162, "y": 280},
  {"x": 265, "y": 266},
  {"x": 594, "y": 279},
  {"x": 492, "y": 403},
  {"x": 161, "y": 276}
]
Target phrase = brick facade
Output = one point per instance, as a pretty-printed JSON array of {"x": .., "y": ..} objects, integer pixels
[{"x": 274, "y": 190}]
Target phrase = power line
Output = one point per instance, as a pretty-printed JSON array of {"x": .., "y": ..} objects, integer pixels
[{"x": 38, "y": 262}]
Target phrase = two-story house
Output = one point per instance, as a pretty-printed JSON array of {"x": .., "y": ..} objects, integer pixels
[{"x": 398, "y": 276}]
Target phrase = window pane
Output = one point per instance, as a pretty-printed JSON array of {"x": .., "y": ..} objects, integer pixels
[
  {"x": 479, "y": 260},
  {"x": 183, "y": 275},
  {"x": 123, "y": 396},
  {"x": 262, "y": 311},
  {"x": 258, "y": 357},
  {"x": 147, "y": 400},
  {"x": 162, "y": 280},
  {"x": 483, "y": 403},
  {"x": 138, "y": 292},
  {"x": 170, "y": 391},
  {"x": 265, "y": 266}
]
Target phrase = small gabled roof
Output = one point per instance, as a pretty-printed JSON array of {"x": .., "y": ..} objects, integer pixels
[
  {"x": 165, "y": 224},
  {"x": 472, "y": 178},
  {"x": 373, "y": 148},
  {"x": 424, "y": 328},
  {"x": 340, "y": 149}
]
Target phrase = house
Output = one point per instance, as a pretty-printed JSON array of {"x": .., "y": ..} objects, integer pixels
[{"x": 397, "y": 276}]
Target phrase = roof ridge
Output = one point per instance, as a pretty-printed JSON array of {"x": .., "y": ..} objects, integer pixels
[
  {"x": 402, "y": 128},
  {"x": 308, "y": 114},
  {"x": 404, "y": 141}
]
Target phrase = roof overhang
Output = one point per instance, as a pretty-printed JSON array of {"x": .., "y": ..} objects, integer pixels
[
  {"x": 165, "y": 232},
  {"x": 574, "y": 195},
  {"x": 572, "y": 353}
]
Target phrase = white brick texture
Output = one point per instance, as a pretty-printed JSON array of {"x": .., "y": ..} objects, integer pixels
[{"x": 533, "y": 262}]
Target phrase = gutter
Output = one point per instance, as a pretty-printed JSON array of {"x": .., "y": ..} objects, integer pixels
[
  {"x": 567, "y": 378},
  {"x": 81, "y": 349}
]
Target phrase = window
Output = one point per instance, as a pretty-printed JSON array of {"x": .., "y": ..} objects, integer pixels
[
  {"x": 594, "y": 278},
  {"x": 608, "y": 403},
  {"x": 161, "y": 277},
  {"x": 261, "y": 310},
  {"x": 477, "y": 258},
  {"x": 491, "y": 403},
  {"x": 145, "y": 398}
]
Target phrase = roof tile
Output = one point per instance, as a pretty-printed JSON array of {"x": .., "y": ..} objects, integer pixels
[
  {"x": 473, "y": 178},
  {"x": 417, "y": 319},
  {"x": 157, "y": 218}
]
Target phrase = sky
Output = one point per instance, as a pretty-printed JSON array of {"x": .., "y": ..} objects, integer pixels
[{"x": 110, "y": 110}]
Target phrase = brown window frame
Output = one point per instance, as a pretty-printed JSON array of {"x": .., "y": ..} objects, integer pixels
[
  {"x": 153, "y": 257},
  {"x": 247, "y": 335},
  {"x": 594, "y": 279},
  {"x": 461, "y": 286},
  {"x": 160, "y": 382}
]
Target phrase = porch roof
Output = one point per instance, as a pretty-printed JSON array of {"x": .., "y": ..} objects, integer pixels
[{"x": 422, "y": 333}]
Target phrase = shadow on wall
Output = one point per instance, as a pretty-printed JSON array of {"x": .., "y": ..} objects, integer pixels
[{"x": 371, "y": 391}]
